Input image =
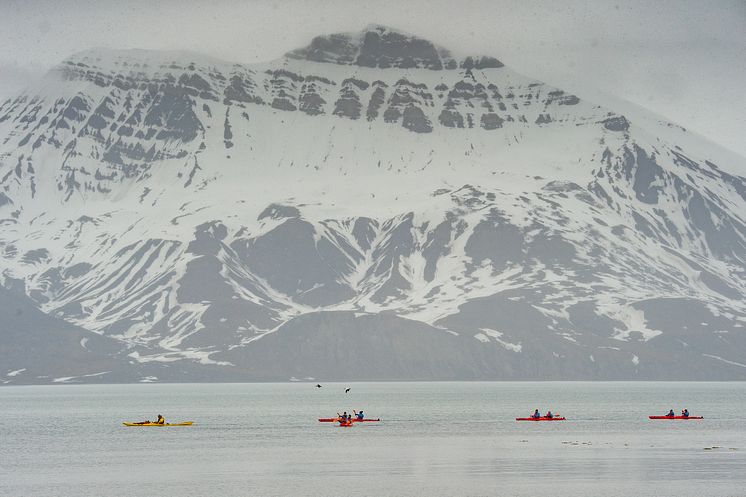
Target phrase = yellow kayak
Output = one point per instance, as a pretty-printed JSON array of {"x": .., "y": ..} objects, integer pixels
[{"x": 185, "y": 423}]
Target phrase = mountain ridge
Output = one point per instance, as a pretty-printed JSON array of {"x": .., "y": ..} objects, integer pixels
[{"x": 198, "y": 214}]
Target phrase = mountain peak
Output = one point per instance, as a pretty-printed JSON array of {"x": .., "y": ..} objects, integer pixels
[{"x": 384, "y": 47}]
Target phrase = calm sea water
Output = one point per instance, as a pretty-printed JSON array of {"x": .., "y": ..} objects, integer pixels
[{"x": 436, "y": 439}]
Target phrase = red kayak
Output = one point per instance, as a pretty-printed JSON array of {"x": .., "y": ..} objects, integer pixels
[
  {"x": 676, "y": 417},
  {"x": 336, "y": 420},
  {"x": 543, "y": 418}
]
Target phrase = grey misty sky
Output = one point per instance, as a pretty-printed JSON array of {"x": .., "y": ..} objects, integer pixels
[{"x": 685, "y": 60}]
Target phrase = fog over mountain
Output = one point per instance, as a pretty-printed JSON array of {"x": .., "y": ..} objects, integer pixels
[
  {"x": 369, "y": 206},
  {"x": 676, "y": 58}
]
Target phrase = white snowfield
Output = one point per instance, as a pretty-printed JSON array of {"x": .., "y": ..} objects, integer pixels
[{"x": 202, "y": 212}]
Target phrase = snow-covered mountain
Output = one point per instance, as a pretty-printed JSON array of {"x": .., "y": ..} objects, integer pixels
[{"x": 370, "y": 206}]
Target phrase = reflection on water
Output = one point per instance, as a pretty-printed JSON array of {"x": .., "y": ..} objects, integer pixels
[{"x": 436, "y": 439}]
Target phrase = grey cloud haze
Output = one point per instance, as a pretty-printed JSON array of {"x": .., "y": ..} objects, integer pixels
[{"x": 682, "y": 59}]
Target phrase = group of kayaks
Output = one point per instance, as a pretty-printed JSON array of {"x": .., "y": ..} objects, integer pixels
[
  {"x": 553, "y": 417},
  {"x": 346, "y": 420},
  {"x": 556, "y": 418},
  {"x": 343, "y": 420}
]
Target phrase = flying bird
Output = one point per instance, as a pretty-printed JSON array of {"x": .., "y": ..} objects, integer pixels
[
  {"x": 318, "y": 386},
  {"x": 347, "y": 390}
]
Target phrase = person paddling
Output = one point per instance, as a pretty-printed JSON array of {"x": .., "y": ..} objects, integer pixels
[
  {"x": 671, "y": 414},
  {"x": 549, "y": 415},
  {"x": 159, "y": 421},
  {"x": 685, "y": 413},
  {"x": 537, "y": 414},
  {"x": 359, "y": 415}
]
